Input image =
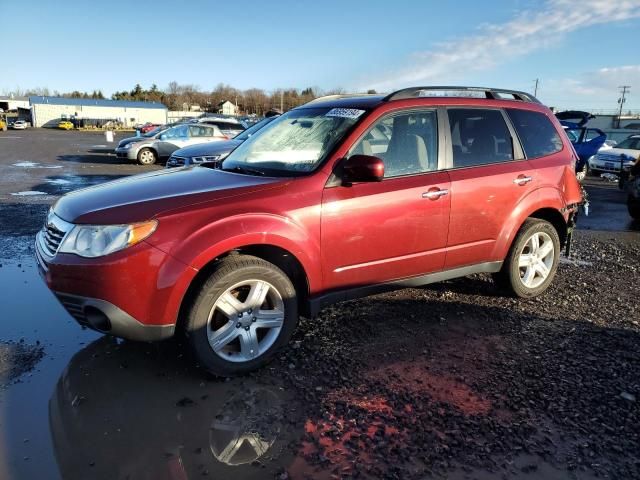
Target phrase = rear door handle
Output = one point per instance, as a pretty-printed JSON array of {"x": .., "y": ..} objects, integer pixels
[
  {"x": 435, "y": 194},
  {"x": 522, "y": 180}
]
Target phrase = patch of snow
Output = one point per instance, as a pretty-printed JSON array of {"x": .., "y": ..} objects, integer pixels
[
  {"x": 28, "y": 193},
  {"x": 58, "y": 181},
  {"x": 26, "y": 164}
]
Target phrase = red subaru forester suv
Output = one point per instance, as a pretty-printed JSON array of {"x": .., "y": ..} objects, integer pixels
[{"x": 342, "y": 197}]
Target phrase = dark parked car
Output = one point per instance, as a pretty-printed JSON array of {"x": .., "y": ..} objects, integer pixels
[
  {"x": 303, "y": 214},
  {"x": 212, "y": 152}
]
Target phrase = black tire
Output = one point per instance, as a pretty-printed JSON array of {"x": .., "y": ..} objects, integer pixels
[
  {"x": 146, "y": 156},
  {"x": 231, "y": 271},
  {"x": 510, "y": 276},
  {"x": 633, "y": 205}
]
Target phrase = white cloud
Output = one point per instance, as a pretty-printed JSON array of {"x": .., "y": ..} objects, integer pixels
[
  {"x": 497, "y": 43},
  {"x": 597, "y": 89}
]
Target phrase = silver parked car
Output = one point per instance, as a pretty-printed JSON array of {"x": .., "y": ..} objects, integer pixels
[
  {"x": 229, "y": 126},
  {"x": 146, "y": 150}
]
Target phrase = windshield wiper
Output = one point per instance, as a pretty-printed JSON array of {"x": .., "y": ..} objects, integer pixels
[{"x": 245, "y": 170}]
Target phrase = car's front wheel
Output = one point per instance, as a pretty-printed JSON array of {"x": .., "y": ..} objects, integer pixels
[
  {"x": 146, "y": 156},
  {"x": 532, "y": 260},
  {"x": 242, "y": 315}
]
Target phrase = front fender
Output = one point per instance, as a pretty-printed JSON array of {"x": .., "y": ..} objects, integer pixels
[
  {"x": 215, "y": 239},
  {"x": 544, "y": 197}
]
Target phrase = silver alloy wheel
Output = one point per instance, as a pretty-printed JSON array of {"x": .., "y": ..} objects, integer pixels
[
  {"x": 245, "y": 320},
  {"x": 146, "y": 156},
  {"x": 536, "y": 260}
]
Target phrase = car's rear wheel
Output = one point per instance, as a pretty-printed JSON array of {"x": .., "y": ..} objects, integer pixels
[
  {"x": 146, "y": 156},
  {"x": 532, "y": 261},
  {"x": 633, "y": 205},
  {"x": 242, "y": 315}
]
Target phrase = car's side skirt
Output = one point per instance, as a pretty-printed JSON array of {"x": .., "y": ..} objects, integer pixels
[{"x": 316, "y": 303}]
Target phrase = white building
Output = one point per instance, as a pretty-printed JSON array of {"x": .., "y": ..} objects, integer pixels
[
  {"x": 227, "y": 108},
  {"x": 47, "y": 111},
  {"x": 10, "y": 104}
]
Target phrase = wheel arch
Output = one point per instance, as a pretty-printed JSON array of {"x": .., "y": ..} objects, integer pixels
[
  {"x": 280, "y": 257},
  {"x": 544, "y": 203}
]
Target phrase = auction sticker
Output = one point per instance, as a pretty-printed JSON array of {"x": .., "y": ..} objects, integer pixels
[{"x": 344, "y": 112}]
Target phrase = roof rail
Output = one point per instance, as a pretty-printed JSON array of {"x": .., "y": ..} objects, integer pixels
[
  {"x": 491, "y": 93},
  {"x": 336, "y": 97}
]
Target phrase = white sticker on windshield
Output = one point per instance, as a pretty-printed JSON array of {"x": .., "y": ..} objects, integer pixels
[{"x": 344, "y": 112}]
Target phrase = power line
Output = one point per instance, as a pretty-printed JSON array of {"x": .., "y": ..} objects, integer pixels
[{"x": 624, "y": 90}]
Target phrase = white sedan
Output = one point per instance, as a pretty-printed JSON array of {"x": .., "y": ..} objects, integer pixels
[
  {"x": 609, "y": 160},
  {"x": 19, "y": 125}
]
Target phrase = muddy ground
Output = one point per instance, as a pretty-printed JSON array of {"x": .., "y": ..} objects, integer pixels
[{"x": 453, "y": 380}]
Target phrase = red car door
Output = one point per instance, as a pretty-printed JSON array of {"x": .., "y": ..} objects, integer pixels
[
  {"x": 396, "y": 228},
  {"x": 489, "y": 176}
]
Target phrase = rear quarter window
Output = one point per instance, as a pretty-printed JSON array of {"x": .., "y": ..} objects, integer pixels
[{"x": 536, "y": 132}]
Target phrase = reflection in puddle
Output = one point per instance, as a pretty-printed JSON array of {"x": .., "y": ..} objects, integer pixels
[{"x": 117, "y": 412}]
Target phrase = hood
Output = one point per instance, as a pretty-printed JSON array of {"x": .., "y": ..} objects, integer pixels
[
  {"x": 126, "y": 141},
  {"x": 145, "y": 196},
  {"x": 208, "y": 149},
  {"x": 616, "y": 152}
]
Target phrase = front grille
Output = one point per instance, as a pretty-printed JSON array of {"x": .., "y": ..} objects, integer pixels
[
  {"x": 177, "y": 161},
  {"x": 74, "y": 306},
  {"x": 52, "y": 234},
  {"x": 52, "y": 238}
]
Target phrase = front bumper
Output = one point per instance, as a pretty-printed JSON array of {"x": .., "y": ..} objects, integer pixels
[
  {"x": 128, "y": 153},
  {"x": 105, "y": 317},
  {"x": 134, "y": 294}
]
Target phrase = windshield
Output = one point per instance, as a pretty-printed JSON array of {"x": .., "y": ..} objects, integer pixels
[
  {"x": 254, "y": 128},
  {"x": 632, "y": 143},
  {"x": 296, "y": 142}
]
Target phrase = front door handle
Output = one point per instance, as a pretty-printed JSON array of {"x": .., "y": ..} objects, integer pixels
[
  {"x": 522, "y": 180},
  {"x": 435, "y": 194}
]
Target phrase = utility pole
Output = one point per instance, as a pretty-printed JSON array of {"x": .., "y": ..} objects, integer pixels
[
  {"x": 281, "y": 101},
  {"x": 535, "y": 90},
  {"x": 624, "y": 89}
]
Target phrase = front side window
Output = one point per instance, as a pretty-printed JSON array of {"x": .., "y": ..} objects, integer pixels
[
  {"x": 294, "y": 143},
  {"x": 407, "y": 143},
  {"x": 479, "y": 137},
  {"x": 537, "y": 134}
]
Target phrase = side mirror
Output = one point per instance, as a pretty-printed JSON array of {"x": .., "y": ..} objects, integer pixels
[
  {"x": 362, "y": 168},
  {"x": 162, "y": 136}
]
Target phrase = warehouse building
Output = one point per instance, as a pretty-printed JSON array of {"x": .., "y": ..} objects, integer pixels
[{"x": 48, "y": 111}]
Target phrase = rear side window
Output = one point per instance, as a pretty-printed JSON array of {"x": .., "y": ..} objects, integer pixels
[
  {"x": 537, "y": 134},
  {"x": 479, "y": 137}
]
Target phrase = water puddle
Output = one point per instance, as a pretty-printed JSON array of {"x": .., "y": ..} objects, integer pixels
[{"x": 98, "y": 407}]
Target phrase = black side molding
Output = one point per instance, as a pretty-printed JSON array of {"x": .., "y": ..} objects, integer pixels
[{"x": 317, "y": 303}]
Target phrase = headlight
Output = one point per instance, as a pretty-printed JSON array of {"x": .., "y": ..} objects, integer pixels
[
  {"x": 128, "y": 145},
  {"x": 99, "y": 240}
]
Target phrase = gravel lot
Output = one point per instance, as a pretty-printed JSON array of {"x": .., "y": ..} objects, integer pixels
[{"x": 453, "y": 380}]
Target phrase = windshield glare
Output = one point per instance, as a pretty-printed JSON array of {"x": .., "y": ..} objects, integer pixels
[
  {"x": 297, "y": 141},
  {"x": 253, "y": 129},
  {"x": 152, "y": 132}
]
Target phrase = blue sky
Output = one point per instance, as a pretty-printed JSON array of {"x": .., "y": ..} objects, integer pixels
[{"x": 580, "y": 51}]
